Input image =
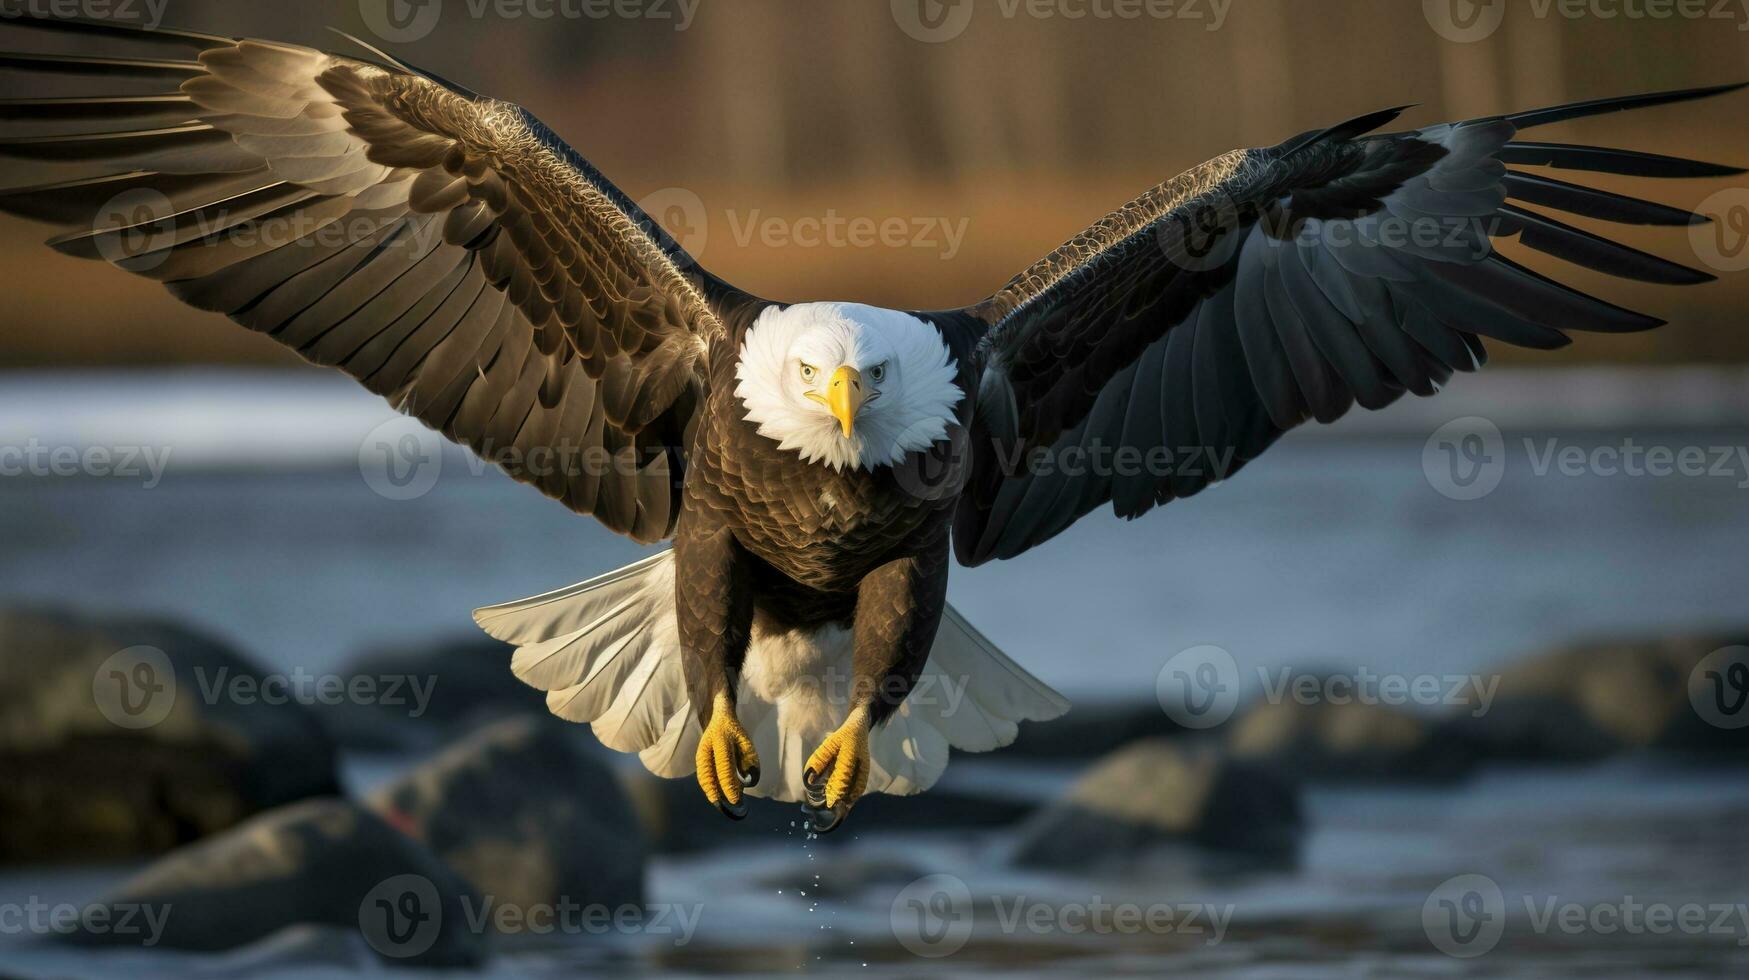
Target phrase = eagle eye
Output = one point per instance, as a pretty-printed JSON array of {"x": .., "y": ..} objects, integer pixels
[
  {"x": 809, "y": 373},
  {"x": 878, "y": 373}
]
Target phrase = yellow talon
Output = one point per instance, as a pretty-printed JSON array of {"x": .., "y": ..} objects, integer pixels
[
  {"x": 840, "y": 766},
  {"x": 726, "y": 759}
]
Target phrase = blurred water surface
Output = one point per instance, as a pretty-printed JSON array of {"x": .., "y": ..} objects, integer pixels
[{"x": 1330, "y": 549}]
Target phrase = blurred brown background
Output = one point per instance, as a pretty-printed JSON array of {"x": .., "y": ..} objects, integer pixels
[{"x": 1019, "y": 131}]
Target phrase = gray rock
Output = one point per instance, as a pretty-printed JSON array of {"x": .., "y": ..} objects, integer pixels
[
  {"x": 1324, "y": 742},
  {"x": 320, "y": 862},
  {"x": 1594, "y": 700},
  {"x": 121, "y": 737},
  {"x": 466, "y": 682},
  {"x": 1159, "y": 793},
  {"x": 526, "y": 817}
]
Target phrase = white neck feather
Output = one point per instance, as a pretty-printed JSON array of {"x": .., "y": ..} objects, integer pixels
[{"x": 916, "y": 400}]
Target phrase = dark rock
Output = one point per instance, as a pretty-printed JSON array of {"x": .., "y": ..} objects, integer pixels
[
  {"x": 1326, "y": 742},
  {"x": 949, "y": 806},
  {"x": 680, "y": 820},
  {"x": 526, "y": 817},
  {"x": 1716, "y": 726},
  {"x": 1159, "y": 793},
  {"x": 1594, "y": 700},
  {"x": 320, "y": 862},
  {"x": 1091, "y": 731},
  {"x": 448, "y": 688},
  {"x": 301, "y": 949},
  {"x": 121, "y": 737}
]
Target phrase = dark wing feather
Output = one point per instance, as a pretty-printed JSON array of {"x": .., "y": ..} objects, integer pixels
[
  {"x": 447, "y": 251},
  {"x": 1196, "y": 325}
]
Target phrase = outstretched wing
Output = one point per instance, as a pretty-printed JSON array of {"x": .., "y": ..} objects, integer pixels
[
  {"x": 445, "y": 250},
  {"x": 1174, "y": 341}
]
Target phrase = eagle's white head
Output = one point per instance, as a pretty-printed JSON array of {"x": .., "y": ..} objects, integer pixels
[{"x": 846, "y": 385}]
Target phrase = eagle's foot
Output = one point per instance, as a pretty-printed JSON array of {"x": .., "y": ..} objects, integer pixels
[
  {"x": 726, "y": 760},
  {"x": 837, "y": 774}
]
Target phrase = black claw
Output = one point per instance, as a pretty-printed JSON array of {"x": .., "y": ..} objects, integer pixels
[
  {"x": 811, "y": 780},
  {"x": 825, "y": 821},
  {"x": 750, "y": 778},
  {"x": 734, "y": 811}
]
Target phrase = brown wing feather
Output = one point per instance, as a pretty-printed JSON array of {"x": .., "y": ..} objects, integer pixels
[{"x": 447, "y": 251}]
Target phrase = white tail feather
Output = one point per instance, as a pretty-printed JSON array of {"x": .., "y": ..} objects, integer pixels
[{"x": 607, "y": 653}]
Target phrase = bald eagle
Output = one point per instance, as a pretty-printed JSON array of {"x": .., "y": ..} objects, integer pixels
[{"x": 816, "y": 466}]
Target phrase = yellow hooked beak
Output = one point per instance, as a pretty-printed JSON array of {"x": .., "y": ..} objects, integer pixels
[{"x": 844, "y": 396}]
